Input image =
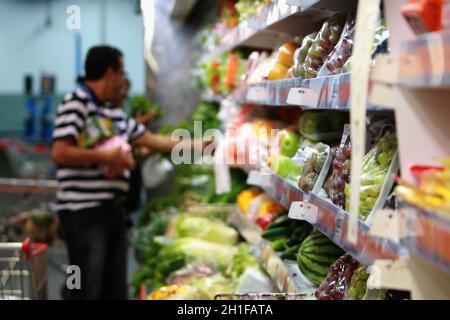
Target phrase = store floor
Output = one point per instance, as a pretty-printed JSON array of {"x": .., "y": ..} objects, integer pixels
[{"x": 57, "y": 261}]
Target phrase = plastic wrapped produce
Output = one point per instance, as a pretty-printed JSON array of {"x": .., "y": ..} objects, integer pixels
[
  {"x": 321, "y": 47},
  {"x": 343, "y": 50},
  {"x": 380, "y": 45},
  {"x": 302, "y": 52},
  {"x": 312, "y": 167},
  {"x": 336, "y": 284},
  {"x": 358, "y": 284},
  {"x": 376, "y": 165},
  {"x": 341, "y": 168}
]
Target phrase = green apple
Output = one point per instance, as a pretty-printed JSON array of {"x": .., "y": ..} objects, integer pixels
[
  {"x": 289, "y": 142},
  {"x": 284, "y": 167}
]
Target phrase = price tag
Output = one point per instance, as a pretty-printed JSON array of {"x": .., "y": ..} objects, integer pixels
[
  {"x": 258, "y": 93},
  {"x": 301, "y": 210},
  {"x": 303, "y": 97},
  {"x": 388, "y": 274},
  {"x": 386, "y": 224},
  {"x": 311, "y": 212},
  {"x": 296, "y": 211},
  {"x": 340, "y": 219}
]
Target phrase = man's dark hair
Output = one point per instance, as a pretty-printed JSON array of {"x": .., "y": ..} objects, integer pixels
[{"x": 99, "y": 59}]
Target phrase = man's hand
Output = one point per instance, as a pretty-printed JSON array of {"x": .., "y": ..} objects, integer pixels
[
  {"x": 118, "y": 162},
  {"x": 145, "y": 118}
]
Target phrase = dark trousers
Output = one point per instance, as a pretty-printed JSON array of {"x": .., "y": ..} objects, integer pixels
[{"x": 97, "y": 242}]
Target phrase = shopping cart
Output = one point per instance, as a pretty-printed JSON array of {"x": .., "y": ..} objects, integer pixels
[{"x": 23, "y": 271}]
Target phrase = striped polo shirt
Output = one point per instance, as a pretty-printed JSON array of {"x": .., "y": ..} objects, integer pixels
[{"x": 81, "y": 118}]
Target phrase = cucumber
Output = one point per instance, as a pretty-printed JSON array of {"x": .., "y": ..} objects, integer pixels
[
  {"x": 282, "y": 214},
  {"x": 281, "y": 222},
  {"x": 291, "y": 253},
  {"x": 277, "y": 233},
  {"x": 280, "y": 244}
]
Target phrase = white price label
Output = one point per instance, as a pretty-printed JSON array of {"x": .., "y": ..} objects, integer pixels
[
  {"x": 303, "y": 97},
  {"x": 258, "y": 94},
  {"x": 296, "y": 211},
  {"x": 301, "y": 210},
  {"x": 386, "y": 224}
]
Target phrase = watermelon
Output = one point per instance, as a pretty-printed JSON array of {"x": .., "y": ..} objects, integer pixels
[{"x": 316, "y": 255}]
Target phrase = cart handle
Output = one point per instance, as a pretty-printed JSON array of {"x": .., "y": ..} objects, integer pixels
[{"x": 33, "y": 249}]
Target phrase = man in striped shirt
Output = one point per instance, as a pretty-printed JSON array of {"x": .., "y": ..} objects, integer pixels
[{"x": 90, "y": 203}]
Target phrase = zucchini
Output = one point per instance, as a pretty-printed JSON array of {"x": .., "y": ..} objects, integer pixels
[
  {"x": 280, "y": 244},
  {"x": 276, "y": 233},
  {"x": 291, "y": 253},
  {"x": 281, "y": 222}
]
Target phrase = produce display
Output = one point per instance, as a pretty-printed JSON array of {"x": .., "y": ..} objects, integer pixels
[
  {"x": 283, "y": 61},
  {"x": 342, "y": 52},
  {"x": 190, "y": 244},
  {"x": 204, "y": 228},
  {"x": 192, "y": 255},
  {"x": 321, "y": 46},
  {"x": 287, "y": 235},
  {"x": 259, "y": 207},
  {"x": 222, "y": 73},
  {"x": 141, "y": 105},
  {"x": 432, "y": 188},
  {"x": 376, "y": 165},
  {"x": 316, "y": 255},
  {"x": 247, "y": 8}
]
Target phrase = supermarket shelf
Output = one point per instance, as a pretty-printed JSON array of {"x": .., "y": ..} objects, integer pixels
[
  {"x": 330, "y": 92},
  {"x": 280, "y": 21},
  {"x": 285, "y": 274},
  {"x": 8, "y": 185},
  {"x": 333, "y": 222},
  {"x": 428, "y": 234},
  {"x": 423, "y": 61}
]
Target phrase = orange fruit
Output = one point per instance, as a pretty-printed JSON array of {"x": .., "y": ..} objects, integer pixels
[{"x": 286, "y": 54}]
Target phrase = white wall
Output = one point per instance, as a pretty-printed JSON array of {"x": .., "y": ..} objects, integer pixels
[{"x": 27, "y": 45}]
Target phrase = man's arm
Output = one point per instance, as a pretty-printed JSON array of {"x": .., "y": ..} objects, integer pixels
[
  {"x": 163, "y": 143},
  {"x": 66, "y": 153}
]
